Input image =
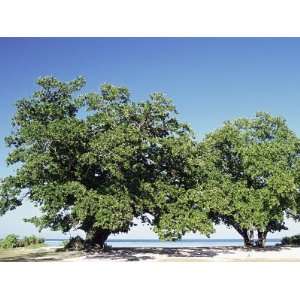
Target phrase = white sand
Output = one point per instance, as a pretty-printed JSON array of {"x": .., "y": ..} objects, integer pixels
[
  {"x": 194, "y": 254},
  {"x": 199, "y": 254}
]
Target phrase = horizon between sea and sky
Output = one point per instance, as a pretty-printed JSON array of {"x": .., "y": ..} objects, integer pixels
[{"x": 210, "y": 80}]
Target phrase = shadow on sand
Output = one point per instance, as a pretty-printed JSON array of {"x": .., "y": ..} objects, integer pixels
[
  {"x": 140, "y": 254},
  {"x": 130, "y": 254}
]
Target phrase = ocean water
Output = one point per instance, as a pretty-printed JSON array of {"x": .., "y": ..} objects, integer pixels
[{"x": 164, "y": 244}]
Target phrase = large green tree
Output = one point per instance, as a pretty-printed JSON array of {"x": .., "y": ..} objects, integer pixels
[
  {"x": 252, "y": 175},
  {"x": 94, "y": 162},
  {"x": 174, "y": 199}
]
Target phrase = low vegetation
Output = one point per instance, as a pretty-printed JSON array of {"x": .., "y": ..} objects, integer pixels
[
  {"x": 291, "y": 240},
  {"x": 77, "y": 243},
  {"x": 12, "y": 241}
]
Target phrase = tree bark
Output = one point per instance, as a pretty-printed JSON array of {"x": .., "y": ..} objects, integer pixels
[
  {"x": 248, "y": 238},
  {"x": 97, "y": 237},
  {"x": 261, "y": 238},
  {"x": 247, "y": 235}
]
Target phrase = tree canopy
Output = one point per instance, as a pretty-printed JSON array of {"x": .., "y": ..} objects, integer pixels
[
  {"x": 96, "y": 161},
  {"x": 247, "y": 177},
  {"x": 252, "y": 175}
]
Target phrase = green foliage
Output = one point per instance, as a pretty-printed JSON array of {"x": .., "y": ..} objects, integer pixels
[
  {"x": 96, "y": 161},
  {"x": 291, "y": 240},
  {"x": 180, "y": 212},
  {"x": 74, "y": 243},
  {"x": 32, "y": 240},
  {"x": 252, "y": 174},
  {"x": 12, "y": 241}
]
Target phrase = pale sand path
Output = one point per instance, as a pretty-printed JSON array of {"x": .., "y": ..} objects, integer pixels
[
  {"x": 214, "y": 254},
  {"x": 199, "y": 254}
]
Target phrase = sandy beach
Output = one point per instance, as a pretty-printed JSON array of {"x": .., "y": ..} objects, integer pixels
[
  {"x": 199, "y": 254},
  {"x": 196, "y": 254}
]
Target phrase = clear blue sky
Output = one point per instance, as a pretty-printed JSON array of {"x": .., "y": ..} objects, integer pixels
[{"x": 210, "y": 80}]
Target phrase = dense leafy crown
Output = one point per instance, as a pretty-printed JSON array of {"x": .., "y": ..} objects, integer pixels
[
  {"x": 96, "y": 161},
  {"x": 252, "y": 173},
  {"x": 99, "y": 160}
]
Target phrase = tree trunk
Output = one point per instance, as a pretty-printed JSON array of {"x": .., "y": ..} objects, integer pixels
[
  {"x": 247, "y": 235},
  {"x": 248, "y": 238},
  {"x": 97, "y": 238},
  {"x": 261, "y": 238}
]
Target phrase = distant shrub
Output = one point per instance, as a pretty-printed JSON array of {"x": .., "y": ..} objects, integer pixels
[
  {"x": 12, "y": 241},
  {"x": 75, "y": 243},
  {"x": 32, "y": 240},
  {"x": 291, "y": 240}
]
